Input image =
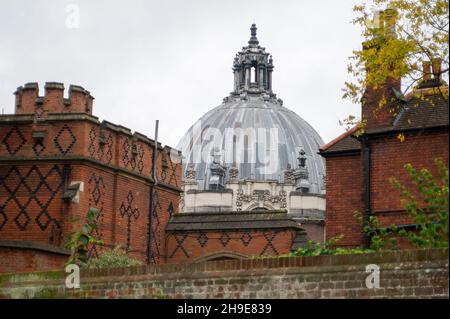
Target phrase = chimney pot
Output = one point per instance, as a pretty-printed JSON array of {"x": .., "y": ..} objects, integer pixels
[
  {"x": 436, "y": 65},
  {"x": 426, "y": 67}
]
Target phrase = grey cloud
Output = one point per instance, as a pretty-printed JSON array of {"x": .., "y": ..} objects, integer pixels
[{"x": 171, "y": 60}]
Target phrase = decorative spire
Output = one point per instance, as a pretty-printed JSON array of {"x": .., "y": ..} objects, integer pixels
[
  {"x": 253, "y": 39},
  {"x": 252, "y": 70}
]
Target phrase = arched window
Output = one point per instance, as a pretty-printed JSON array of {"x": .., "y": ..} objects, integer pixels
[
  {"x": 259, "y": 209},
  {"x": 253, "y": 74}
]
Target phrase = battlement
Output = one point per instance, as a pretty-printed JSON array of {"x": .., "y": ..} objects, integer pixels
[{"x": 28, "y": 100}]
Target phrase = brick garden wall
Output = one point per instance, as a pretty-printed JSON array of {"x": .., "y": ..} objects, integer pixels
[
  {"x": 29, "y": 259},
  {"x": 403, "y": 274}
]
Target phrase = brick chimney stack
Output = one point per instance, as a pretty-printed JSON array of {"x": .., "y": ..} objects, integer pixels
[{"x": 374, "y": 114}]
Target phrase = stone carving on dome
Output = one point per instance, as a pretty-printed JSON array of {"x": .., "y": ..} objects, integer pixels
[
  {"x": 233, "y": 172},
  {"x": 260, "y": 196},
  {"x": 289, "y": 177},
  {"x": 191, "y": 174}
]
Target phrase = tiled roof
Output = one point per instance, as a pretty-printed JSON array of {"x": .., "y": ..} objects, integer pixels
[
  {"x": 344, "y": 142},
  {"x": 417, "y": 113}
]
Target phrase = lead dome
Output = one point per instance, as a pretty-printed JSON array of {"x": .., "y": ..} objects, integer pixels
[{"x": 251, "y": 131}]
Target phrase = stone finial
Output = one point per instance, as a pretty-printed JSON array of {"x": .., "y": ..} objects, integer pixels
[
  {"x": 253, "y": 39},
  {"x": 236, "y": 60},
  {"x": 217, "y": 171},
  {"x": 301, "y": 173},
  {"x": 301, "y": 158}
]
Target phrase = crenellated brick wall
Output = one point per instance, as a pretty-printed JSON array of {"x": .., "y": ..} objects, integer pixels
[
  {"x": 28, "y": 100},
  {"x": 53, "y": 142}
]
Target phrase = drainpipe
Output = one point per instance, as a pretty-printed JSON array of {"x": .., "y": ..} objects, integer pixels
[
  {"x": 152, "y": 190},
  {"x": 366, "y": 186}
]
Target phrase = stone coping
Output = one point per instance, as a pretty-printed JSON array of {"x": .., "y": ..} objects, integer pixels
[{"x": 24, "y": 244}]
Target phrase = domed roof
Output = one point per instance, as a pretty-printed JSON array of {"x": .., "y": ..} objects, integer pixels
[{"x": 252, "y": 129}]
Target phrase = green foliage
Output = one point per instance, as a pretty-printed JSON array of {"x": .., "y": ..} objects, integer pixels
[
  {"x": 420, "y": 35},
  {"x": 79, "y": 241},
  {"x": 116, "y": 257},
  {"x": 427, "y": 205},
  {"x": 431, "y": 216},
  {"x": 381, "y": 237},
  {"x": 327, "y": 248},
  {"x": 159, "y": 295}
]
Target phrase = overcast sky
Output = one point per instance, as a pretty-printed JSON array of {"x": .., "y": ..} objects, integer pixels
[{"x": 171, "y": 60}]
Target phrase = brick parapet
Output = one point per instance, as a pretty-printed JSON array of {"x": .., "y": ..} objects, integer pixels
[{"x": 410, "y": 273}]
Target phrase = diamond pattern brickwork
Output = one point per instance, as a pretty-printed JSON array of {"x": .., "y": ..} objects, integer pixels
[{"x": 29, "y": 196}]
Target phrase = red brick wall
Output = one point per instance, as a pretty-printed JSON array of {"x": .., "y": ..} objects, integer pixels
[
  {"x": 114, "y": 166},
  {"x": 315, "y": 231},
  {"x": 189, "y": 246},
  {"x": 31, "y": 202},
  {"x": 389, "y": 156},
  {"x": 21, "y": 260},
  {"x": 344, "y": 197}
]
